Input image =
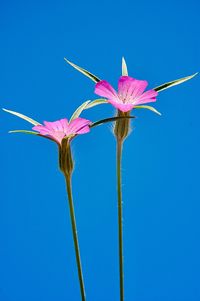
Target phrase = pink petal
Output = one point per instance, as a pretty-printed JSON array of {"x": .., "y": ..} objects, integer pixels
[
  {"x": 129, "y": 88},
  {"x": 58, "y": 126},
  {"x": 43, "y": 130},
  {"x": 84, "y": 130},
  {"x": 79, "y": 126},
  {"x": 124, "y": 107},
  {"x": 48, "y": 130},
  {"x": 148, "y": 96},
  {"x": 64, "y": 122},
  {"x": 59, "y": 129},
  {"x": 104, "y": 89},
  {"x": 55, "y": 125},
  {"x": 58, "y": 136},
  {"x": 48, "y": 125}
]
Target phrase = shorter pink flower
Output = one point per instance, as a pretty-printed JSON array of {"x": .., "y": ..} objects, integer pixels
[
  {"x": 130, "y": 93},
  {"x": 60, "y": 129}
]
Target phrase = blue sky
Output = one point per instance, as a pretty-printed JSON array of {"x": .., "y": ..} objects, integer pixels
[{"x": 160, "y": 162}]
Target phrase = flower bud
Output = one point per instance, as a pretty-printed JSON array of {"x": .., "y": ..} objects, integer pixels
[
  {"x": 65, "y": 157},
  {"x": 122, "y": 126}
]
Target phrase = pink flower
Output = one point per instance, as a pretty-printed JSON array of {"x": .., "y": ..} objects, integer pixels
[
  {"x": 130, "y": 93},
  {"x": 59, "y": 129}
]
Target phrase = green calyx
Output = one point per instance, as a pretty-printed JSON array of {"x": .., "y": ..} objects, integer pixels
[
  {"x": 122, "y": 126},
  {"x": 66, "y": 163}
]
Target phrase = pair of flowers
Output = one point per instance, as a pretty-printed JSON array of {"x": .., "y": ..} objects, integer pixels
[{"x": 130, "y": 95}]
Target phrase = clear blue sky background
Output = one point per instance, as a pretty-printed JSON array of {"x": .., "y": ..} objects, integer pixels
[{"x": 160, "y": 41}]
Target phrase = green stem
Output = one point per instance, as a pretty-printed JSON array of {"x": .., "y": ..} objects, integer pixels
[
  {"x": 75, "y": 236},
  {"x": 120, "y": 218}
]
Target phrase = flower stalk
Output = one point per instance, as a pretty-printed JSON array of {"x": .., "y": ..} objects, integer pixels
[
  {"x": 75, "y": 236},
  {"x": 121, "y": 131},
  {"x": 120, "y": 219},
  {"x": 66, "y": 166}
]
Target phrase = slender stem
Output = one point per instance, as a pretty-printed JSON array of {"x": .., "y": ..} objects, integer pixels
[
  {"x": 120, "y": 218},
  {"x": 75, "y": 236}
]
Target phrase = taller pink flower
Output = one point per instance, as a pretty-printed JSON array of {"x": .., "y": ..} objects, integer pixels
[
  {"x": 130, "y": 93},
  {"x": 60, "y": 129}
]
